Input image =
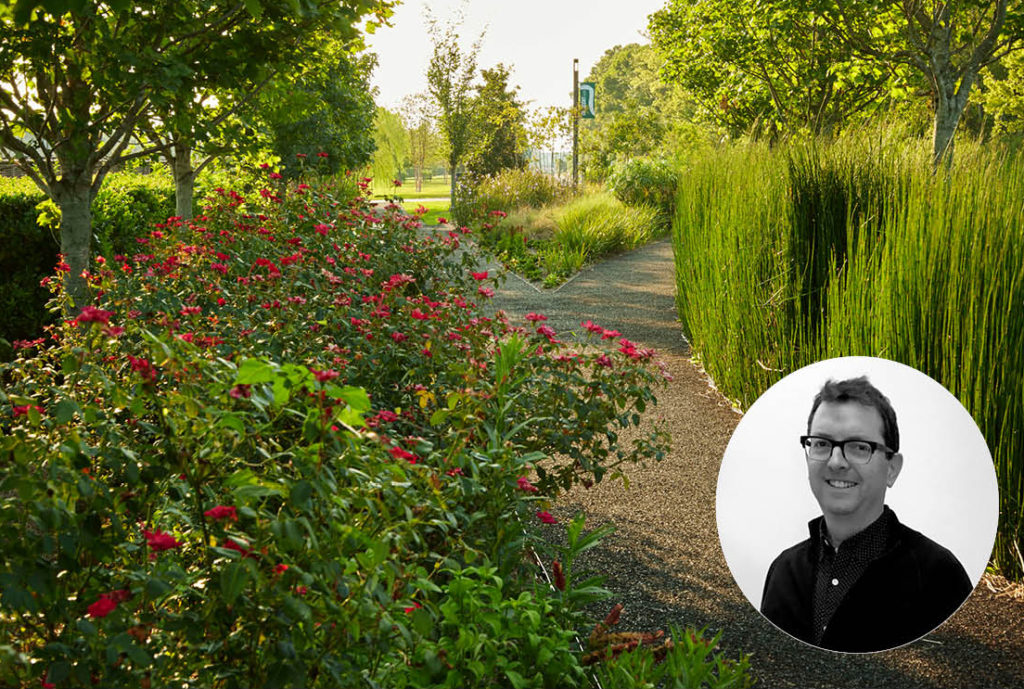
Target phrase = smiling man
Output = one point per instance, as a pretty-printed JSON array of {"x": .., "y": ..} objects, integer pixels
[{"x": 863, "y": 581}]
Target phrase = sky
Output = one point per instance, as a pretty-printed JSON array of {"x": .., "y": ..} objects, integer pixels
[{"x": 538, "y": 39}]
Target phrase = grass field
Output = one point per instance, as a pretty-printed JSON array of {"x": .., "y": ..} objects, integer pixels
[
  {"x": 432, "y": 188},
  {"x": 435, "y": 210}
]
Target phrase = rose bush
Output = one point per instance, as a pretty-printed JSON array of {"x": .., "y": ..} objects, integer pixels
[{"x": 285, "y": 447}]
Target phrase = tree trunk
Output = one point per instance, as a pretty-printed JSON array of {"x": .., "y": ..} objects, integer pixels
[
  {"x": 452, "y": 200},
  {"x": 75, "y": 203},
  {"x": 184, "y": 180},
  {"x": 949, "y": 107}
]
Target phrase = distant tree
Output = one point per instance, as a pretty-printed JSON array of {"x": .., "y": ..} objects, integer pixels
[
  {"x": 499, "y": 125},
  {"x": 638, "y": 114},
  {"x": 392, "y": 146},
  {"x": 549, "y": 128},
  {"x": 450, "y": 78},
  {"x": 420, "y": 116}
]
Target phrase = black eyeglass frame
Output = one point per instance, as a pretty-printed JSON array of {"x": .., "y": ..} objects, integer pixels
[{"x": 875, "y": 447}]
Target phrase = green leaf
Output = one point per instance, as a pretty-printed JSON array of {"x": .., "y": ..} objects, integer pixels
[
  {"x": 254, "y": 7},
  {"x": 350, "y": 417},
  {"x": 233, "y": 579},
  {"x": 296, "y": 609},
  {"x": 354, "y": 397},
  {"x": 157, "y": 587},
  {"x": 64, "y": 411},
  {"x": 300, "y": 494},
  {"x": 254, "y": 371},
  {"x": 422, "y": 622}
]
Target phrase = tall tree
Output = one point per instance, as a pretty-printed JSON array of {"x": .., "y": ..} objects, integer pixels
[
  {"x": 450, "y": 78},
  {"x": 420, "y": 114},
  {"x": 947, "y": 42},
  {"x": 78, "y": 77},
  {"x": 550, "y": 129},
  {"x": 638, "y": 113},
  {"x": 326, "y": 108},
  {"x": 768, "y": 63},
  {"x": 500, "y": 125}
]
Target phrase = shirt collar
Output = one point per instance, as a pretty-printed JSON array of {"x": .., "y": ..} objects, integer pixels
[{"x": 867, "y": 544}]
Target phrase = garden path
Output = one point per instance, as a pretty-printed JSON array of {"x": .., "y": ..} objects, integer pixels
[{"x": 664, "y": 562}]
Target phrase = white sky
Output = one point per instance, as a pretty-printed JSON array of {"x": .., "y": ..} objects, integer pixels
[{"x": 538, "y": 39}]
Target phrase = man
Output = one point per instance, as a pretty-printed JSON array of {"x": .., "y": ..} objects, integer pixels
[{"x": 863, "y": 581}]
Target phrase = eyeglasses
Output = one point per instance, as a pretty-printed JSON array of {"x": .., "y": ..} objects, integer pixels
[{"x": 819, "y": 449}]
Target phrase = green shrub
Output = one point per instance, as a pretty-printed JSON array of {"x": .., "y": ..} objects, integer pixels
[
  {"x": 643, "y": 181},
  {"x": 293, "y": 452},
  {"x": 507, "y": 191},
  {"x": 126, "y": 207},
  {"x": 600, "y": 224},
  {"x": 28, "y": 253}
]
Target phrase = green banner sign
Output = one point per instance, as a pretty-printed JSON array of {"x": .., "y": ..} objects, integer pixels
[{"x": 588, "y": 107}]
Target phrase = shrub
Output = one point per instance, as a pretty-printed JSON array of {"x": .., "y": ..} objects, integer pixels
[
  {"x": 600, "y": 225},
  {"x": 30, "y": 239},
  {"x": 285, "y": 448},
  {"x": 651, "y": 182},
  {"x": 506, "y": 191}
]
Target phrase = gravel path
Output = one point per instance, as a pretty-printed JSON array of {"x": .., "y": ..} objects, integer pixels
[{"x": 664, "y": 562}]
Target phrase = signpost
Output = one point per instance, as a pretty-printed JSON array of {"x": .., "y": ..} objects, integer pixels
[
  {"x": 575, "y": 122},
  {"x": 583, "y": 104}
]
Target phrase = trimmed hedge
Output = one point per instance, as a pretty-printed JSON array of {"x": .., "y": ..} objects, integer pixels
[{"x": 30, "y": 240}]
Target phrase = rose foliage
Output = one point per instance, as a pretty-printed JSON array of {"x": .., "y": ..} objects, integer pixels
[{"x": 287, "y": 448}]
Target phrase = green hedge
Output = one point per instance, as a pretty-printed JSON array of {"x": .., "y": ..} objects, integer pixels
[
  {"x": 30, "y": 240},
  {"x": 646, "y": 182},
  {"x": 810, "y": 251}
]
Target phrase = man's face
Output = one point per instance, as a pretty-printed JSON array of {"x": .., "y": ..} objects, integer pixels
[{"x": 854, "y": 493}]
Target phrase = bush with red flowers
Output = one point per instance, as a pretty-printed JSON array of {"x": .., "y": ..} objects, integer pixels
[{"x": 277, "y": 448}]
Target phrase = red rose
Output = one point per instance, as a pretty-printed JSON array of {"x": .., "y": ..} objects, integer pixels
[{"x": 222, "y": 512}]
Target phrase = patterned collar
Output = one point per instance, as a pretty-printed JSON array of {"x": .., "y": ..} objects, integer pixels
[{"x": 863, "y": 545}]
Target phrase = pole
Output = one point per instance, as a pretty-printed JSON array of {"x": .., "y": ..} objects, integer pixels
[{"x": 575, "y": 122}]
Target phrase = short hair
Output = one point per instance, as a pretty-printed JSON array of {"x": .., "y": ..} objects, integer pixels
[{"x": 860, "y": 390}]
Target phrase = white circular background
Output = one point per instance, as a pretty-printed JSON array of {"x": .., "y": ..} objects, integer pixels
[{"x": 946, "y": 490}]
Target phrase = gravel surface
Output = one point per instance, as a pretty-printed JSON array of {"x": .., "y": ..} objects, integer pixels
[{"x": 665, "y": 564}]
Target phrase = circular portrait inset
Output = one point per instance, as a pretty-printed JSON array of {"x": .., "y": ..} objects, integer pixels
[{"x": 857, "y": 504}]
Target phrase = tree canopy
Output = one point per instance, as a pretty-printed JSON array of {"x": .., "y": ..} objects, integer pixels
[
  {"x": 638, "y": 113},
  {"x": 499, "y": 125},
  {"x": 817, "y": 65},
  {"x": 80, "y": 76},
  {"x": 450, "y": 78}
]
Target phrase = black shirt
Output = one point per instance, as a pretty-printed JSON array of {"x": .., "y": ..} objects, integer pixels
[
  {"x": 839, "y": 569},
  {"x": 900, "y": 596}
]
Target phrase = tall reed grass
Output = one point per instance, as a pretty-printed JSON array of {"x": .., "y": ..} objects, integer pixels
[{"x": 856, "y": 248}]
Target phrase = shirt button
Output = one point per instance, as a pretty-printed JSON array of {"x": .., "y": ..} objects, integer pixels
[{"x": 835, "y": 582}]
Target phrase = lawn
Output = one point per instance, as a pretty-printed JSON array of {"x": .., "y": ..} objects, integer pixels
[
  {"x": 431, "y": 188},
  {"x": 435, "y": 210}
]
